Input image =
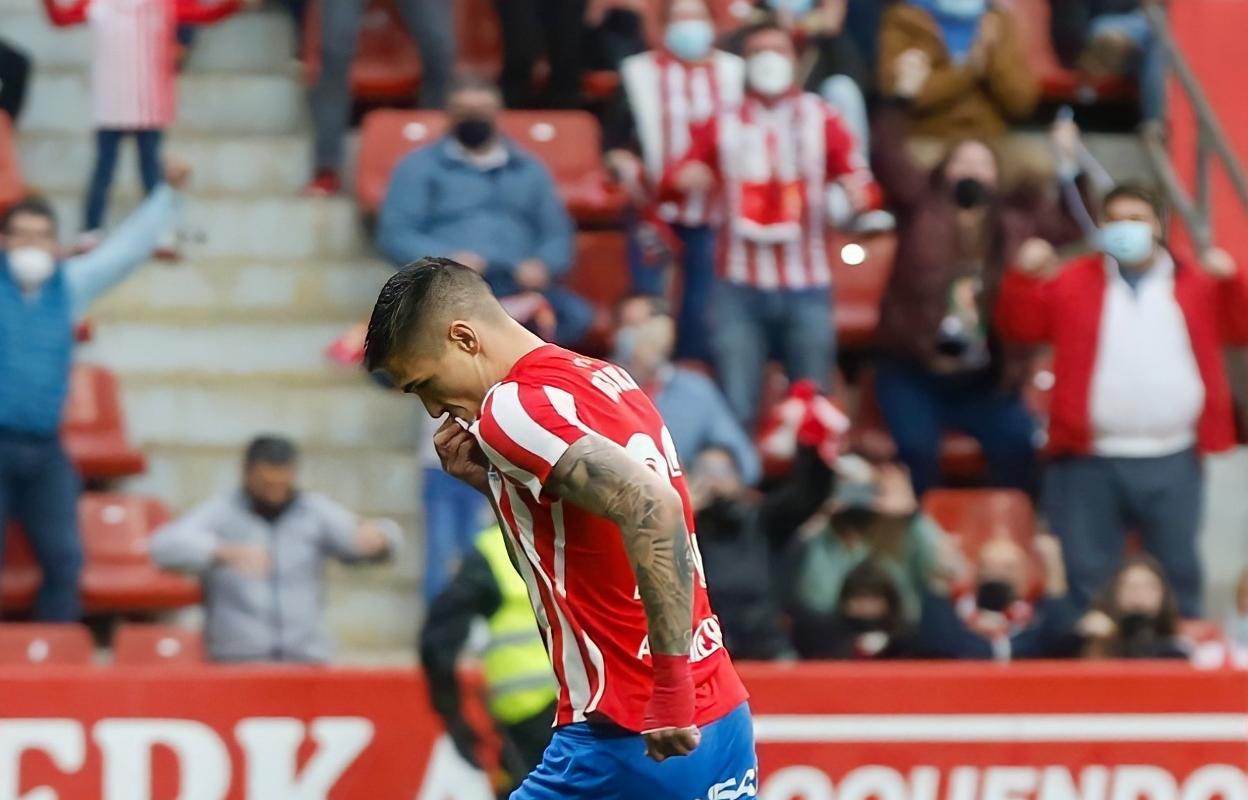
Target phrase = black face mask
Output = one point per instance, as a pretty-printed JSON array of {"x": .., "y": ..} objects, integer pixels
[
  {"x": 270, "y": 511},
  {"x": 969, "y": 193},
  {"x": 994, "y": 596},
  {"x": 721, "y": 515},
  {"x": 473, "y": 132},
  {"x": 1137, "y": 627}
]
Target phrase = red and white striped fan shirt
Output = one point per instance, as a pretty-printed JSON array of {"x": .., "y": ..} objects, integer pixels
[
  {"x": 773, "y": 163},
  {"x": 579, "y": 578},
  {"x": 133, "y": 66},
  {"x": 668, "y": 98}
]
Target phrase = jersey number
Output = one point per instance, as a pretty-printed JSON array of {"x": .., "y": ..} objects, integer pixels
[{"x": 643, "y": 448}]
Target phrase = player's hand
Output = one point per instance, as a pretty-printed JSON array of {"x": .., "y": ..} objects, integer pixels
[
  {"x": 668, "y": 742},
  {"x": 461, "y": 455},
  {"x": 247, "y": 559}
]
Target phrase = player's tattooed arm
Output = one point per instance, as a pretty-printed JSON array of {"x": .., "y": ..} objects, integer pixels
[{"x": 599, "y": 476}]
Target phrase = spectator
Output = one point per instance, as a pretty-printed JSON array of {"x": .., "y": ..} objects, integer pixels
[
  {"x": 521, "y": 688},
  {"x": 869, "y": 622},
  {"x": 134, "y": 86},
  {"x": 1137, "y": 617},
  {"x": 943, "y": 364},
  {"x": 873, "y": 518},
  {"x": 979, "y": 78},
  {"x": 740, "y": 537},
  {"x": 614, "y": 30},
  {"x": 695, "y": 410},
  {"x": 260, "y": 552},
  {"x": 1140, "y": 389},
  {"x": 14, "y": 73},
  {"x": 772, "y": 160},
  {"x": 432, "y": 25},
  {"x": 41, "y": 299},
  {"x": 531, "y": 28},
  {"x": 478, "y": 198},
  {"x": 997, "y": 621},
  {"x": 647, "y": 117},
  {"x": 1113, "y": 37},
  {"x": 454, "y": 516}
]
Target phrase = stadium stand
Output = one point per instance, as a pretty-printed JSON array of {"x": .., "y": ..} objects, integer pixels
[
  {"x": 859, "y": 287},
  {"x": 12, "y": 187},
  {"x": 1057, "y": 83},
  {"x": 976, "y": 515},
  {"x": 119, "y": 574},
  {"x": 387, "y": 63},
  {"x": 568, "y": 142},
  {"x": 94, "y": 429},
  {"x": 156, "y": 645},
  {"x": 45, "y": 644},
  {"x": 20, "y": 577}
]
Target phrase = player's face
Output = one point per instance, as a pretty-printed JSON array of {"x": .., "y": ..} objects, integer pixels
[{"x": 450, "y": 380}]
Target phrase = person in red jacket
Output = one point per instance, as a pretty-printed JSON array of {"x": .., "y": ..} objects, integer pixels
[{"x": 1140, "y": 389}]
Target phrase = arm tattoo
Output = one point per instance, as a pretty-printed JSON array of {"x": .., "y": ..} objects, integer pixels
[{"x": 600, "y": 477}]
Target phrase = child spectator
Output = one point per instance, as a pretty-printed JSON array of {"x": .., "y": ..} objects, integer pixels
[
  {"x": 979, "y": 77},
  {"x": 1138, "y": 616},
  {"x": 134, "y": 85}
]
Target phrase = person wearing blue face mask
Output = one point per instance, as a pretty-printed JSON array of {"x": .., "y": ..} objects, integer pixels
[
  {"x": 41, "y": 299},
  {"x": 664, "y": 93},
  {"x": 980, "y": 80},
  {"x": 1140, "y": 390}
]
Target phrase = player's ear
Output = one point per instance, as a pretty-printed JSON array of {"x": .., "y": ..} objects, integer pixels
[{"x": 464, "y": 337}]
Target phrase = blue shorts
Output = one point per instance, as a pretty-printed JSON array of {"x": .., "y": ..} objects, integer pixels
[{"x": 582, "y": 762}]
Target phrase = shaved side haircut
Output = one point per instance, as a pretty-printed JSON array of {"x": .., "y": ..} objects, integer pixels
[{"x": 417, "y": 304}]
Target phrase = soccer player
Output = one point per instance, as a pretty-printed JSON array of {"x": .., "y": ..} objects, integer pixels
[{"x": 591, "y": 497}]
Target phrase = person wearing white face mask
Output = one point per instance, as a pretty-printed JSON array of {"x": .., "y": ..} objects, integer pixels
[
  {"x": 663, "y": 93},
  {"x": 41, "y": 298},
  {"x": 772, "y": 161},
  {"x": 1140, "y": 390}
]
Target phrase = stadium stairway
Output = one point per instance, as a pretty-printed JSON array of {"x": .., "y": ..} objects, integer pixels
[{"x": 230, "y": 342}]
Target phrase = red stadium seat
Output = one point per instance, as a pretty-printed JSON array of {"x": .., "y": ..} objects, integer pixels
[
  {"x": 20, "y": 576},
  {"x": 119, "y": 574},
  {"x": 600, "y": 275},
  {"x": 137, "y": 644},
  {"x": 45, "y": 644},
  {"x": 94, "y": 430},
  {"x": 479, "y": 36},
  {"x": 1056, "y": 81},
  {"x": 566, "y": 141},
  {"x": 976, "y": 515},
  {"x": 12, "y": 187},
  {"x": 858, "y": 288},
  {"x": 387, "y": 63}
]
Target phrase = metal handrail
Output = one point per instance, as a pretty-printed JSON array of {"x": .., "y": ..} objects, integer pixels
[{"x": 1211, "y": 141}]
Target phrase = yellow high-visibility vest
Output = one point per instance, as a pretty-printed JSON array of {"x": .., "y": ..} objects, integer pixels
[{"x": 518, "y": 676}]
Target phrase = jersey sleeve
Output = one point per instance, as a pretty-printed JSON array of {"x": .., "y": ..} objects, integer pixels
[{"x": 526, "y": 428}]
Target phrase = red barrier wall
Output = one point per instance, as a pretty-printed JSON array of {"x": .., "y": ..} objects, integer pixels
[{"x": 825, "y": 732}]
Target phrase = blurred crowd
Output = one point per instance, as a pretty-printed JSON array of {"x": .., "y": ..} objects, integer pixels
[{"x": 741, "y": 135}]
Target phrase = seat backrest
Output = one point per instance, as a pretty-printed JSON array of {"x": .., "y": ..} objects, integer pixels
[
  {"x": 976, "y": 515},
  {"x": 1031, "y": 20},
  {"x": 45, "y": 644},
  {"x": 12, "y": 186},
  {"x": 479, "y": 36},
  {"x": 17, "y": 552},
  {"x": 861, "y": 269},
  {"x": 600, "y": 273},
  {"x": 116, "y": 527},
  {"x": 386, "y": 136},
  {"x": 157, "y": 644},
  {"x": 94, "y": 401}
]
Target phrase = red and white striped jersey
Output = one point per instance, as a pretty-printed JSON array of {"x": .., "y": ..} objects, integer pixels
[
  {"x": 133, "y": 65},
  {"x": 774, "y": 163},
  {"x": 579, "y": 578},
  {"x": 669, "y": 97}
]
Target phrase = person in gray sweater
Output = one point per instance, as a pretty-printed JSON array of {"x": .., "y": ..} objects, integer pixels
[{"x": 260, "y": 552}]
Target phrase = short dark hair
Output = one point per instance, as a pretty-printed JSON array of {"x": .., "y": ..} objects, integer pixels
[
  {"x": 1136, "y": 191},
  {"x": 764, "y": 24},
  {"x": 33, "y": 206},
  {"x": 271, "y": 449},
  {"x": 870, "y": 579},
  {"x": 419, "y": 293}
]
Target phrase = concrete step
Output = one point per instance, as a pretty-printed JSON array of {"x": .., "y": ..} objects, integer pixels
[
  {"x": 227, "y": 291},
  {"x": 371, "y": 481},
  {"x": 365, "y": 614},
  {"x": 274, "y": 164},
  {"x": 223, "y": 411},
  {"x": 234, "y": 349},
  {"x": 254, "y": 41},
  {"x": 248, "y": 227},
  {"x": 213, "y": 102}
]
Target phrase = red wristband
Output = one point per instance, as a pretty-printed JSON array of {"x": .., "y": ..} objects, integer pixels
[{"x": 671, "y": 703}]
